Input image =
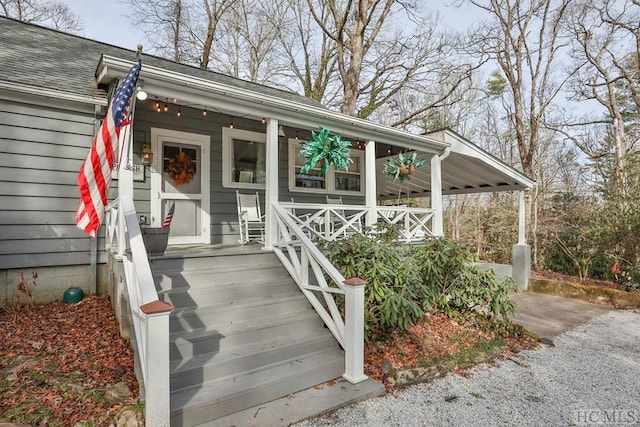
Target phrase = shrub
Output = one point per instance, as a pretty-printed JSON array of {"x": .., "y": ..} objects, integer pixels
[
  {"x": 460, "y": 286},
  {"x": 395, "y": 295},
  {"x": 405, "y": 282}
]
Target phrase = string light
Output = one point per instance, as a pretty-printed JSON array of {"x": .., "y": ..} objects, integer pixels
[
  {"x": 231, "y": 124},
  {"x": 179, "y": 113},
  {"x": 204, "y": 112},
  {"x": 389, "y": 150},
  {"x": 264, "y": 120},
  {"x": 166, "y": 107}
]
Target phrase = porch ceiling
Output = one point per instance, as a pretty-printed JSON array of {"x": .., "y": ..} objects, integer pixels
[
  {"x": 461, "y": 174},
  {"x": 467, "y": 169}
]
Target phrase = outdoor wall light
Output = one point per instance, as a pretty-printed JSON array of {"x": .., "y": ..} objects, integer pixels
[
  {"x": 140, "y": 93},
  {"x": 147, "y": 155}
]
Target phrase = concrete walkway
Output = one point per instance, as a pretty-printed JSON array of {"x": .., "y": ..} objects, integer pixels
[{"x": 548, "y": 316}]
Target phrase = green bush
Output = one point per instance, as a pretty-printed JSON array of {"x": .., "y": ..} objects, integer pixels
[
  {"x": 405, "y": 282},
  {"x": 459, "y": 285},
  {"x": 395, "y": 295}
]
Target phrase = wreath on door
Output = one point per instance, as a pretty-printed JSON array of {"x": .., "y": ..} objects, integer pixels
[{"x": 181, "y": 168}]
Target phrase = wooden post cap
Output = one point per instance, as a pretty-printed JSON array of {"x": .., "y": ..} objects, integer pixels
[
  {"x": 156, "y": 307},
  {"x": 355, "y": 281}
]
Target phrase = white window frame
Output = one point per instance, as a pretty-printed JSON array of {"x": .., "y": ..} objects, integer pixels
[
  {"x": 228, "y": 135},
  {"x": 330, "y": 178}
]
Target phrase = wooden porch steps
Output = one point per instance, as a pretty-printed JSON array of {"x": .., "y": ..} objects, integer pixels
[{"x": 242, "y": 334}]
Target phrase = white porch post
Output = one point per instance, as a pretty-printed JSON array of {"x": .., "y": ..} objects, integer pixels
[
  {"x": 354, "y": 331},
  {"x": 436, "y": 196},
  {"x": 157, "y": 408},
  {"x": 125, "y": 183},
  {"x": 522, "y": 222},
  {"x": 370, "y": 182},
  {"x": 271, "y": 185}
]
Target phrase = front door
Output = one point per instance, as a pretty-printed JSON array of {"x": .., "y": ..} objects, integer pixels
[{"x": 180, "y": 175}]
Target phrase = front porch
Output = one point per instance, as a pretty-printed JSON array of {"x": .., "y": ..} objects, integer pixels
[{"x": 226, "y": 139}]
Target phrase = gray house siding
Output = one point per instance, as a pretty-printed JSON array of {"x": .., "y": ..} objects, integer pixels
[{"x": 41, "y": 150}]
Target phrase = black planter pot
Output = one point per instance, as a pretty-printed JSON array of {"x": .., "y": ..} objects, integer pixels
[{"x": 155, "y": 240}]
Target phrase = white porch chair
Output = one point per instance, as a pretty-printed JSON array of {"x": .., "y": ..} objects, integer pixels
[{"x": 250, "y": 219}]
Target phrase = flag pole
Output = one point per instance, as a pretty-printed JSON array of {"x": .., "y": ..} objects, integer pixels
[{"x": 129, "y": 164}]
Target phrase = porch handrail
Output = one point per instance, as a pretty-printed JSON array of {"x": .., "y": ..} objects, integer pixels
[
  {"x": 150, "y": 318},
  {"x": 315, "y": 276}
]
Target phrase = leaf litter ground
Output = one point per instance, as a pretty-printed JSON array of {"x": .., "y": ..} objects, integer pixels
[{"x": 58, "y": 360}]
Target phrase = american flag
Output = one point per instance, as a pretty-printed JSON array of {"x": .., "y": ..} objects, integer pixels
[
  {"x": 95, "y": 174},
  {"x": 167, "y": 220}
]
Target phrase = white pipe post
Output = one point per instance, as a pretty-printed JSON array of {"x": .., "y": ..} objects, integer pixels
[
  {"x": 370, "y": 182},
  {"x": 522, "y": 218},
  {"x": 271, "y": 185},
  {"x": 354, "y": 331},
  {"x": 436, "y": 196},
  {"x": 125, "y": 184},
  {"x": 157, "y": 407}
]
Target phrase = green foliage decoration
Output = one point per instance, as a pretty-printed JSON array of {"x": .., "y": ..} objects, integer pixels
[
  {"x": 327, "y": 150},
  {"x": 402, "y": 166}
]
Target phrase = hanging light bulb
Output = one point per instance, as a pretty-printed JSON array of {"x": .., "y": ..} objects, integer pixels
[
  {"x": 204, "y": 112},
  {"x": 231, "y": 124},
  {"x": 264, "y": 120},
  {"x": 179, "y": 113},
  {"x": 166, "y": 107},
  {"x": 157, "y": 106}
]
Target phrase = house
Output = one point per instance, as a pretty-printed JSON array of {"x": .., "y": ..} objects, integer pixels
[{"x": 208, "y": 359}]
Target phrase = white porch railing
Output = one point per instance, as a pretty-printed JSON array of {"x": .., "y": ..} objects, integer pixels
[
  {"x": 319, "y": 280},
  {"x": 150, "y": 317},
  {"x": 334, "y": 222},
  {"x": 413, "y": 222}
]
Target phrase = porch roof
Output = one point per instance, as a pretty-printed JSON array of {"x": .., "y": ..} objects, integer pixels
[{"x": 466, "y": 168}]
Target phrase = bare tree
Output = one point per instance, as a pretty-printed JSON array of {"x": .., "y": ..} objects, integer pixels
[
  {"x": 53, "y": 14},
  {"x": 524, "y": 38},
  {"x": 310, "y": 53},
  {"x": 378, "y": 62},
  {"x": 183, "y": 30},
  {"x": 165, "y": 23},
  {"x": 247, "y": 46},
  {"x": 606, "y": 44}
]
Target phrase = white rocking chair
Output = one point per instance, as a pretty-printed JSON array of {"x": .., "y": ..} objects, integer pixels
[{"x": 250, "y": 218}]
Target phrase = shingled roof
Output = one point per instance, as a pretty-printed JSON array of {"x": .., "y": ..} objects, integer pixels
[{"x": 41, "y": 57}]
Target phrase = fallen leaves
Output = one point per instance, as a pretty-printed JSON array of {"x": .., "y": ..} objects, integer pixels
[
  {"x": 435, "y": 337},
  {"x": 57, "y": 360}
]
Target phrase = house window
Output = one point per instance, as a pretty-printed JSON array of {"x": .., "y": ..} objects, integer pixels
[
  {"x": 335, "y": 181},
  {"x": 243, "y": 158}
]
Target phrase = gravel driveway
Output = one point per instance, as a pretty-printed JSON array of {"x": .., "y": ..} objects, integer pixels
[{"x": 591, "y": 377}]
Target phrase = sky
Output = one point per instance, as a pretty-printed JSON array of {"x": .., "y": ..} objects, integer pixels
[{"x": 108, "y": 20}]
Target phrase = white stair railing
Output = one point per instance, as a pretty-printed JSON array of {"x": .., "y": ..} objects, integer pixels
[
  {"x": 319, "y": 280},
  {"x": 150, "y": 317},
  {"x": 111, "y": 225}
]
